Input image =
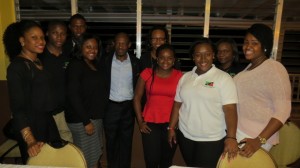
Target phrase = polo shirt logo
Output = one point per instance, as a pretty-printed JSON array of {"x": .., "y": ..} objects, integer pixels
[
  {"x": 66, "y": 65},
  {"x": 209, "y": 84}
]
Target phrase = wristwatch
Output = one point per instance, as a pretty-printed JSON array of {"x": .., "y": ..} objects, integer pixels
[{"x": 262, "y": 140}]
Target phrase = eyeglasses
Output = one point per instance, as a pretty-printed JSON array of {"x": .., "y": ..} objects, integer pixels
[{"x": 158, "y": 39}]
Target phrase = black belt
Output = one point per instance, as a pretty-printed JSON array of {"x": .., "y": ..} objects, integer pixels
[{"x": 121, "y": 102}]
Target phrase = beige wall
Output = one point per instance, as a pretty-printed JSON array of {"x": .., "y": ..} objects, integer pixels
[{"x": 7, "y": 16}]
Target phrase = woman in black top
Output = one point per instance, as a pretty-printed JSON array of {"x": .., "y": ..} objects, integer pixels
[
  {"x": 157, "y": 36},
  {"x": 31, "y": 101},
  {"x": 86, "y": 100},
  {"x": 228, "y": 57}
]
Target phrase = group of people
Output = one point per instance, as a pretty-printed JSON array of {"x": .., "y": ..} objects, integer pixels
[
  {"x": 214, "y": 115},
  {"x": 73, "y": 89}
]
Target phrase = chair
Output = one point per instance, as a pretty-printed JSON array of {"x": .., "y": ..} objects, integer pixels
[
  {"x": 288, "y": 149},
  {"x": 9, "y": 149},
  {"x": 67, "y": 156},
  {"x": 260, "y": 159}
]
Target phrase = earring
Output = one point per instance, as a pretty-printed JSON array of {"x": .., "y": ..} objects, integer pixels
[{"x": 265, "y": 50}]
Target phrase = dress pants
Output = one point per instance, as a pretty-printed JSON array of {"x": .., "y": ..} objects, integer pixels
[
  {"x": 118, "y": 127},
  {"x": 62, "y": 126},
  {"x": 157, "y": 150},
  {"x": 200, "y": 153}
]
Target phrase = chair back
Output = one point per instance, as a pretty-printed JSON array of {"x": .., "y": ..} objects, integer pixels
[
  {"x": 260, "y": 159},
  {"x": 66, "y": 156},
  {"x": 288, "y": 149}
]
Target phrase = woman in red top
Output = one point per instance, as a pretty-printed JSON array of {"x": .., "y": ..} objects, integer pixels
[{"x": 160, "y": 84}]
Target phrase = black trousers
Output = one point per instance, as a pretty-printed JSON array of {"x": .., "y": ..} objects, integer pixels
[
  {"x": 118, "y": 127},
  {"x": 157, "y": 151},
  {"x": 200, "y": 153}
]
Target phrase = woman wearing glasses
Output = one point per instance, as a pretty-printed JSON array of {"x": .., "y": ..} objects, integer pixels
[
  {"x": 204, "y": 107},
  {"x": 157, "y": 36}
]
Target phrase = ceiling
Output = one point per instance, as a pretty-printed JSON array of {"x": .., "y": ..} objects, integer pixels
[{"x": 223, "y": 13}]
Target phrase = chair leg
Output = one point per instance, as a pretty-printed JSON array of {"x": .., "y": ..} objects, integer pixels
[
  {"x": 7, "y": 152},
  {"x": 295, "y": 164}
]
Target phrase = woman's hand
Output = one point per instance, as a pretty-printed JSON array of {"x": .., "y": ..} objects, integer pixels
[
  {"x": 144, "y": 127},
  {"x": 230, "y": 147},
  {"x": 89, "y": 129},
  {"x": 172, "y": 137},
  {"x": 250, "y": 147},
  {"x": 34, "y": 148}
]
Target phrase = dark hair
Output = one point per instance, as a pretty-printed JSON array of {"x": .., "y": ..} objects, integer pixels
[
  {"x": 233, "y": 45},
  {"x": 203, "y": 40},
  {"x": 56, "y": 23},
  {"x": 158, "y": 51},
  {"x": 162, "y": 28},
  {"x": 123, "y": 34},
  {"x": 85, "y": 37},
  {"x": 163, "y": 47},
  {"x": 76, "y": 16},
  {"x": 264, "y": 35},
  {"x": 12, "y": 34}
]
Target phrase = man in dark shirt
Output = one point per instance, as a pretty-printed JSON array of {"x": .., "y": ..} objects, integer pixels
[
  {"x": 77, "y": 26},
  {"x": 55, "y": 62}
]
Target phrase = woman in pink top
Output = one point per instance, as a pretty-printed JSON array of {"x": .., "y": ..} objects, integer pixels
[
  {"x": 264, "y": 93},
  {"x": 160, "y": 83}
]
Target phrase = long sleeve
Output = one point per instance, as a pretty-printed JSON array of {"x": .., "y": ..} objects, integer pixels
[
  {"x": 19, "y": 90},
  {"x": 263, "y": 93},
  {"x": 280, "y": 92},
  {"x": 74, "y": 89}
]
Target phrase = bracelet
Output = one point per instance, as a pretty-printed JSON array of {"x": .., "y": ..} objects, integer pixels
[
  {"x": 170, "y": 128},
  {"x": 26, "y": 133},
  {"x": 229, "y": 137}
]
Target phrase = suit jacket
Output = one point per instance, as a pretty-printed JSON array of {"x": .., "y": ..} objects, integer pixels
[{"x": 135, "y": 70}]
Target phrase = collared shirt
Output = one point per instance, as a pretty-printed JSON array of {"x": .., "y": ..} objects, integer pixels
[
  {"x": 201, "y": 116},
  {"x": 56, "y": 66},
  {"x": 121, "y": 87}
]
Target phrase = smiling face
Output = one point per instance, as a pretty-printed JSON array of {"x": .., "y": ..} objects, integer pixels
[
  {"x": 203, "y": 57},
  {"x": 90, "y": 49},
  {"x": 158, "y": 38},
  {"x": 57, "y": 35},
  {"x": 252, "y": 48},
  {"x": 165, "y": 59},
  {"x": 33, "y": 41}
]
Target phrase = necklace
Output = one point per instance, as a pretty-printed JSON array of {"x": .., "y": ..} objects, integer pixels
[
  {"x": 257, "y": 63},
  {"x": 36, "y": 62}
]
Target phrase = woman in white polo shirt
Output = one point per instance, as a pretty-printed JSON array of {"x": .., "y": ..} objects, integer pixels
[{"x": 204, "y": 108}]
